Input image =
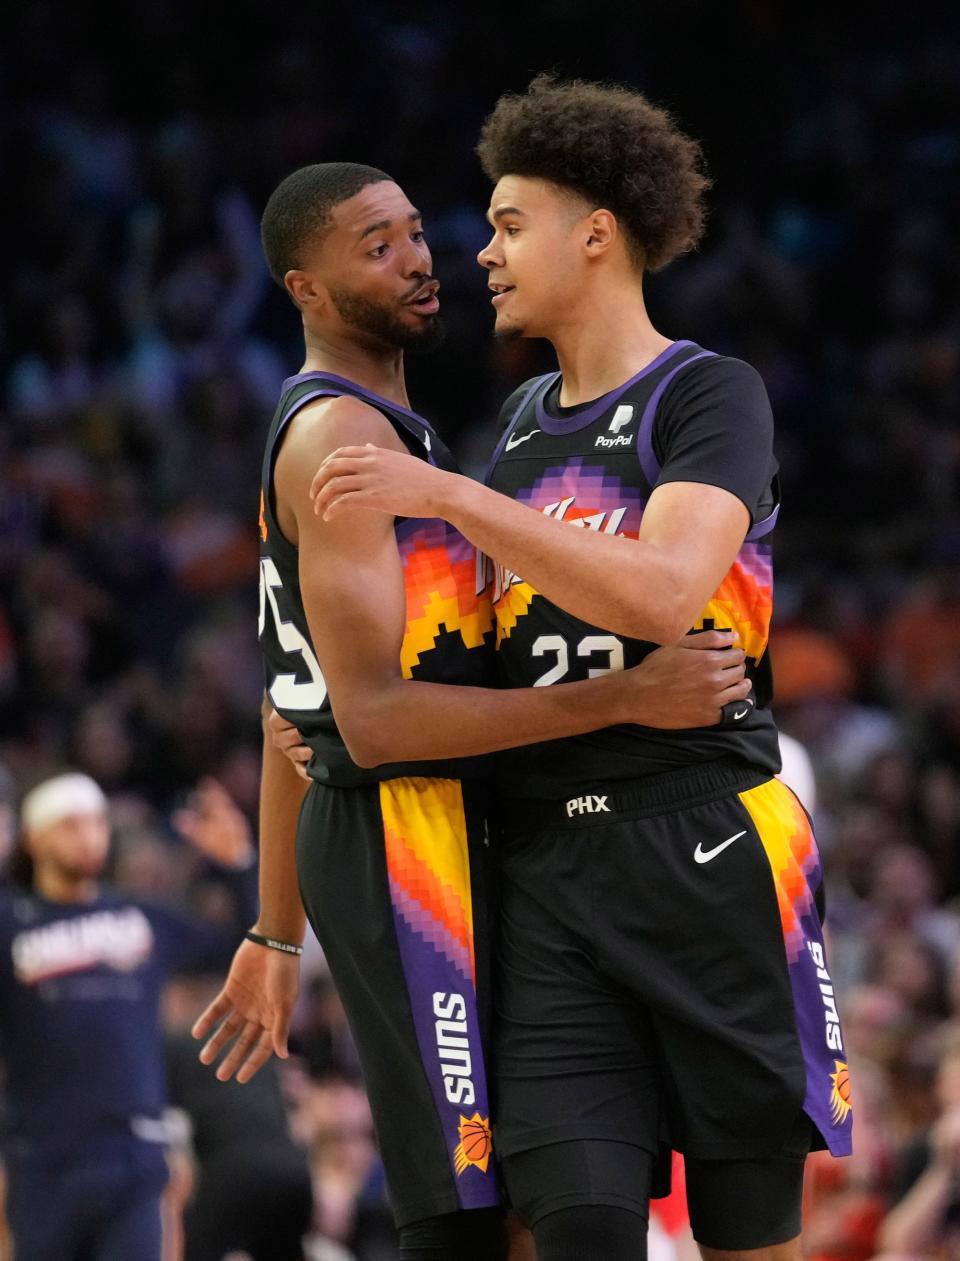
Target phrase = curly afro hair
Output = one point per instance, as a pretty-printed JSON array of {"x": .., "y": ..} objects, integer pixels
[{"x": 614, "y": 149}]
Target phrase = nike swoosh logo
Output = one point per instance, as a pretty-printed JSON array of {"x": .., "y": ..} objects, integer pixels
[
  {"x": 704, "y": 855},
  {"x": 515, "y": 442}
]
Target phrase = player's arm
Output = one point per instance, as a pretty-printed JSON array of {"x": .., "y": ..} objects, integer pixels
[
  {"x": 281, "y": 795},
  {"x": 351, "y": 580},
  {"x": 683, "y": 686},
  {"x": 692, "y": 527},
  {"x": 251, "y": 1014},
  {"x": 652, "y": 588}
]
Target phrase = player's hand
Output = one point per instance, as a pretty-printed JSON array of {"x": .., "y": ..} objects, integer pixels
[
  {"x": 687, "y": 685},
  {"x": 287, "y": 738},
  {"x": 373, "y": 477},
  {"x": 215, "y": 826},
  {"x": 250, "y": 1017}
]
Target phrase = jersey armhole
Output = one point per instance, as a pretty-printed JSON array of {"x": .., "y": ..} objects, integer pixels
[
  {"x": 529, "y": 391},
  {"x": 764, "y": 526},
  {"x": 268, "y": 502},
  {"x": 420, "y": 449},
  {"x": 652, "y": 467},
  {"x": 646, "y": 453}
]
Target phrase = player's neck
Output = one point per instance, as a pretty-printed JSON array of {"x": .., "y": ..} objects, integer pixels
[
  {"x": 607, "y": 339},
  {"x": 56, "y": 885},
  {"x": 379, "y": 371}
]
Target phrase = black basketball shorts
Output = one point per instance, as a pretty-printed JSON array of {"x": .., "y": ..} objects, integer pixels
[
  {"x": 661, "y": 973},
  {"x": 393, "y": 880}
]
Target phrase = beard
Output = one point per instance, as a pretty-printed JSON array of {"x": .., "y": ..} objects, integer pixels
[
  {"x": 383, "y": 325},
  {"x": 512, "y": 333},
  {"x": 509, "y": 331}
]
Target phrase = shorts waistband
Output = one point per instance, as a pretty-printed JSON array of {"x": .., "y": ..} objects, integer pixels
[{"x": 633, "y": 799}]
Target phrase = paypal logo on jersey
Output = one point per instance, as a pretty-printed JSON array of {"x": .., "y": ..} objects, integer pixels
[{"x": 621, "y": 417}]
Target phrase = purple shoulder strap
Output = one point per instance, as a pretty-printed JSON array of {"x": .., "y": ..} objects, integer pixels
[
  {"x": 648, "y": 457},
  {"x": 364, "y": 396},
  {"x": 525, "y": 398},
  {"x": 645, "y": 452}
]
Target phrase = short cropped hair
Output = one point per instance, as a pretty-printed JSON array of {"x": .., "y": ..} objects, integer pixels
[
  {"x": 300, "y": 207},
  {"x": 615, "y": 149}
]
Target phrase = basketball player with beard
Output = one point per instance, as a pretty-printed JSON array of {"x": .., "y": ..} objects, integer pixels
[
  {"x": 661, "y": 967},
  {"x": 377, "y": 645}
]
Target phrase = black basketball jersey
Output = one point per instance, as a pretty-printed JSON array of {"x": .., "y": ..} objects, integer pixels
[
  {"x": 448, "y": 636},
  {"x": 690, "y": 415}
]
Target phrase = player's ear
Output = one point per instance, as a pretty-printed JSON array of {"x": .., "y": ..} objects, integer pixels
[
  {"x": 602, "y": 231},
  {"x": 305, "y": 289}
]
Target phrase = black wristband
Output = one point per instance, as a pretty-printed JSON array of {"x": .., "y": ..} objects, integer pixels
[{"x": 285, "y": 947}]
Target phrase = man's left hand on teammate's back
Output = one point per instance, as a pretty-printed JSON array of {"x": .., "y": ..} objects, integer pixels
[
  {"x": 285, "y": 737},
  {"x": 675, "y": 688}
]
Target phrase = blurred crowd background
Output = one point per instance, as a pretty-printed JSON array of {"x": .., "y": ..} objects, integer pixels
[{"x": 144, "y": 346}]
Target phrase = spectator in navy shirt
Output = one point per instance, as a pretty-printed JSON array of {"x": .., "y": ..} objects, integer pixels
[{"x": 81, "y": 970}]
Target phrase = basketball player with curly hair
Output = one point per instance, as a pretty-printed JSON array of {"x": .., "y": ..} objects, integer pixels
[
  {"x": 377, "y": 645},
  {"x": 661, "y": 963}
]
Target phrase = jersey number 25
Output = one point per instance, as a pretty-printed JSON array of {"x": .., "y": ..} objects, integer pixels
[{"x": 286, "y": 691}]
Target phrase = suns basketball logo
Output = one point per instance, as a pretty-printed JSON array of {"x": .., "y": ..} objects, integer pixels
[
  {"x": 841, "y": 1097},
  {"x": 476, "y": 1144}
]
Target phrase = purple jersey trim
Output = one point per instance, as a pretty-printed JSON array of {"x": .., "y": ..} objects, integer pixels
[
  {"x": 805, "y": 957},
  {"x": 377, "y": 400},
  {"x": 436, "y": 963},
  {"x": 301, "y": 403},
  {"x": 645, "y": 452},
  {"x": 280, "y": 542},
  {"x": 763, "y": 527},
  {"x": 429, "y": 971},
  {"x": 508, "y": 427},
  {"x": 558, "y": 426},
  {"x": 648, "y": 459}
]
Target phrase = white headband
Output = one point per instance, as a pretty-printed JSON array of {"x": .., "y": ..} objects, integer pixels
[{"x": 59, "y": 797}]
